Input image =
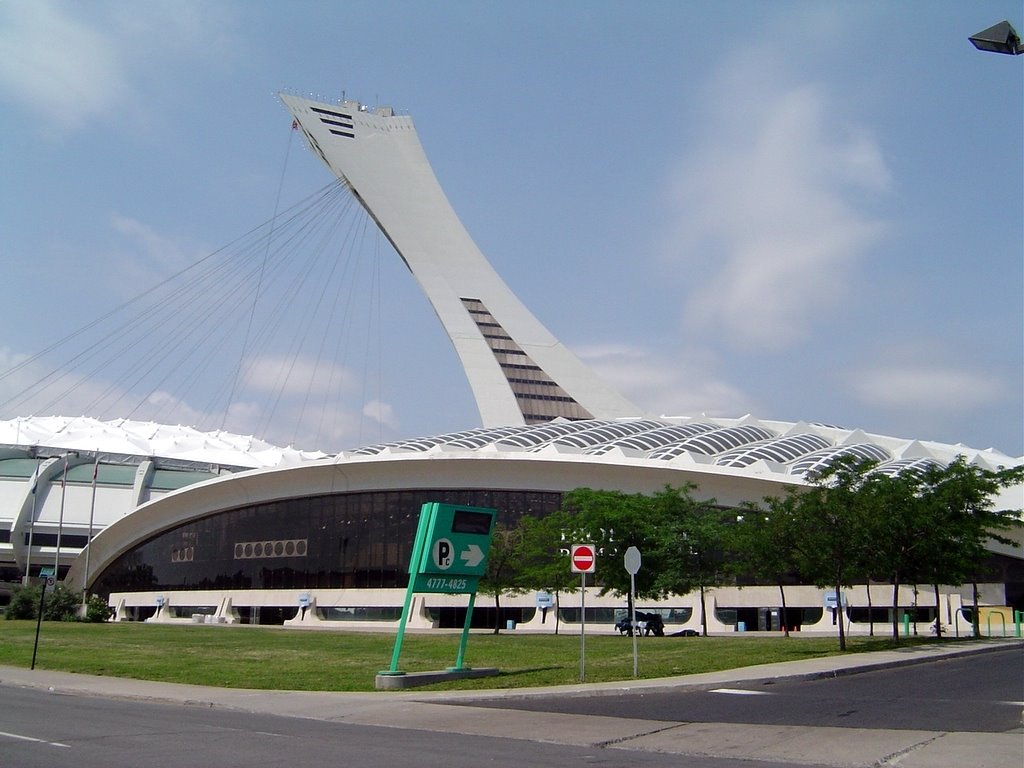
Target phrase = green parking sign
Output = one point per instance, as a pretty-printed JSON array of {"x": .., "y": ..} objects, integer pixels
[{"x": 449, "y": 556}]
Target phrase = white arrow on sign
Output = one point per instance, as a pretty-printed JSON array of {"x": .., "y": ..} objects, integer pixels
[{"x": 472, "y": 555}]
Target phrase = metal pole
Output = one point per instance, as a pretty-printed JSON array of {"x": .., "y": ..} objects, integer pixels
[
  {"x": 632, "y": 591},
  {"x": 60, "y": 521},
  {"x": 393, "y": 669},
  {"x": 39, "y": 620},
  {"x": 88, "y": 541},
  {"x": 31, "y": 524},
  {"x": 465, "y": 631},
  {"x": 583, "y": 623}
]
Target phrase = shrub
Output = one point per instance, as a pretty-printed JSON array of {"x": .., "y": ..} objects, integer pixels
[
  {"x": 96, "y": 610},
  {"x": 62, "y": 604},
  {"x": 24, "y": 603}
]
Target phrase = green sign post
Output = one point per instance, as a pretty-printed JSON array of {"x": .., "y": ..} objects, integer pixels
[{"x": 449, "y": 556}]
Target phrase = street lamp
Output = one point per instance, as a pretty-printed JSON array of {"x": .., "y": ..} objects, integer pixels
[{"x": 1002, "y": 38}]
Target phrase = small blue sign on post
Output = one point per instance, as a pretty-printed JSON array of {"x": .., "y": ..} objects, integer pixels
[
  {"x": 545, "y": 601},
  {"x": 831, "y": 602}
]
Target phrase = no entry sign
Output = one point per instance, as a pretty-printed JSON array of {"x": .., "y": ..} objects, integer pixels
[{"x": 583, "y": 558}]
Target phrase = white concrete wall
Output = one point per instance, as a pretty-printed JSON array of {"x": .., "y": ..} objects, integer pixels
[{"x": 221, "y": 607}]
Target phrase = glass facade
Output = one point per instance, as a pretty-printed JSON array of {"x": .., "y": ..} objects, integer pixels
[{"x": 352, "y": 540}]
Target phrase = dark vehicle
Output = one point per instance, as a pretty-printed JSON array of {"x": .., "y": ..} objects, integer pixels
[{"x": 647, "y": 624}]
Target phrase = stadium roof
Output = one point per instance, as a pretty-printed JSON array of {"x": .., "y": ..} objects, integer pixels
[
  {"x": 147, "y": 438},
  {"x": 799, "y": 449}
]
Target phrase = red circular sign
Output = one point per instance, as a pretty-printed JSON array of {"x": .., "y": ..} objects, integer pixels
[{"x": 583, "y": 558}]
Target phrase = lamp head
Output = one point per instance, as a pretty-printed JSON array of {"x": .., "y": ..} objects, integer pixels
[{"x": 1001, "y": 38}]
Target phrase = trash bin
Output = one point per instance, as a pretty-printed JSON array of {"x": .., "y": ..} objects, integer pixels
[
  {"x": 741, "y": 626},
  {"x": 510, "y": 624}
]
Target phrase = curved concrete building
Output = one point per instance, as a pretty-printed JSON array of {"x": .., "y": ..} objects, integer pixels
[{"x": 335, "y": 535}]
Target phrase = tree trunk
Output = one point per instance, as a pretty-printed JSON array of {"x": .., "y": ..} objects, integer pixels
[
  {"x": 785, "y": 618},
  {"x": 557, "y": 611},
  {"x": 975, "y": 618},
  {"x": 896, "y": 609},
  {"x": 703, "y": 613},
  {"x": 840, "y": 618},
  {"x": 629, "y": 612},
  {"x": 938, "y": 614},
  {"x": 915, "y": 610},
  {"x": 497, "y": 612},
  {"x": 871, "y": 612}
]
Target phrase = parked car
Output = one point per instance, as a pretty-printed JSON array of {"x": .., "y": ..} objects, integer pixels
[{"x": 686, "y": 633}]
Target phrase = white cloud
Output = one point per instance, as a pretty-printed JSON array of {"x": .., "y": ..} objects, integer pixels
[
  {"x": 73, "y": 62},
  {"x": 682, "y": 384},
  {"x": 770, "y": 207},
  {"x": 297, "y": 376},
  {"x": 34, "y": 386},
  {"x": 381, "y": 413},
  {"x": 926, "y": 388},
  {"x": 150, "y": 256},
  {"x": 56, "y": 64}
]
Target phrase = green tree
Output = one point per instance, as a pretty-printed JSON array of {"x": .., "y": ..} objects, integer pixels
[
  {"x": 504, "y": 563},
  {"x": 691, "y": 541},
  {"x": 898, "y": 531},
  {"x": 960, "y": 499},
  {"x": 761, "y": 545},
  {"x": 830, "y": 523},
  {"x": 614, "y": 521},
  {"x": 545, "y": 557}
]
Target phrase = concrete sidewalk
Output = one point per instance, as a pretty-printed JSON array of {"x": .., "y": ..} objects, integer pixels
[{"x": 426, "y": 710}]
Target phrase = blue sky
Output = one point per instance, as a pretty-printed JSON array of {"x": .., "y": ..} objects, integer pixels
[{"x": 799, "y": 210}]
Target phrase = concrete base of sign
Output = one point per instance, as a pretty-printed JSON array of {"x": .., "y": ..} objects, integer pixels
[{"x": 397, "y": 681}]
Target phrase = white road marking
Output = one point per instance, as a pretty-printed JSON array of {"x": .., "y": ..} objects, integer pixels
[
  {"x": 740, "y": 692},
  {"x": 38, "y": 741}
]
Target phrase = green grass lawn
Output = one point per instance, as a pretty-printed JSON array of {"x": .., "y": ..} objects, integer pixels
[{"x": 285, "y": 659}]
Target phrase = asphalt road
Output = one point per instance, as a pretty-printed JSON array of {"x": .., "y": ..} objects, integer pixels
[
  {"x": 44, "y": 730},
  {"x": 982, "y": 694},
  {"x": 924, "y": 707}
]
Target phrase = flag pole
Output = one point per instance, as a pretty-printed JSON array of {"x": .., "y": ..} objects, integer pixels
[
  {"x": 60, "y": 521},
  {"x": 31, "y": 524},
  {"x": 88, "y": 541}
]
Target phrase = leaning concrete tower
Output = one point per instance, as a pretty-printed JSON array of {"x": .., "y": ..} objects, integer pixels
[{"x": 518, "y": 371}]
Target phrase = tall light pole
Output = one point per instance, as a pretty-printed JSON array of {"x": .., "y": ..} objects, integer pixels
[{"x": 1001, "y": 38}]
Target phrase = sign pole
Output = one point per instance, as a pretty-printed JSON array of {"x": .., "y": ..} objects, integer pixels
[
  {"x": 426, "y": 518},
  {"x": 632, "y": 592},
  {"x": 393, "y": 670},
  {"x": 632, "y": 562},
  {"x": 465, "y": 631},
  {"x": 583, "y": 622},
  {"x": 583, "y": 560}
]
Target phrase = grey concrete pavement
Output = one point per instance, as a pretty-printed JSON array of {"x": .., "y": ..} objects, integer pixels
[{"x": 426, "y": 710}]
